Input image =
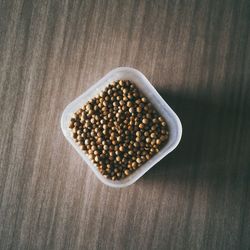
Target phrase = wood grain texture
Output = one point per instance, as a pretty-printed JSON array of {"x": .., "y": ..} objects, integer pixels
[{"x": 197, "y": 55}]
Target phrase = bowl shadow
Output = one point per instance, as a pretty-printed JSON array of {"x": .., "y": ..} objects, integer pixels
[{"x": 215, "y": 139}]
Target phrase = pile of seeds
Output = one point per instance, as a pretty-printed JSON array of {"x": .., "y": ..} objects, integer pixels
[{"x": 119, "y": 130}]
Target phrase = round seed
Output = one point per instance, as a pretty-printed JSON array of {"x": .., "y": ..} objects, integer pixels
[
  {"x": 158, "y": 141},
  {"x": 138, "y": 160},
  {"x": 139, "y": 109},
  {"x": 138, "y": 133},
  {"x": 131, "y": 110},
  {"x": 126, "y": 172},
  {"x": 129, "y": 104},
  {"x": 141, "y": 125},
  {"x": 152, "y": 135}
]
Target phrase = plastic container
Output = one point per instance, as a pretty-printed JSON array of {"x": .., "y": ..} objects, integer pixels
[{"x": 126, "y": 73}]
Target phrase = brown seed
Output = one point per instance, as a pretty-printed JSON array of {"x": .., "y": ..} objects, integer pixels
[
  {"x": 138, "y": 139},
  {"x": 88, "y": 107},
  {"x": 141, "y": 125},
  {"x": 131, "y": 110},
  {"x": 152, "y": 135},
  {"x": 138, "y": 160},
  {"x": 153, "y": 127},
  {"x": 129, "y": 104},
  {"x": 126, "y": 172},
  {"x": 161, "y": 119},
  {"x": 158, "y": 141},
  {"x": 138, "y": 133},
  {"x": 134, "y": 164},
  {"x": 139, "y": 109},
  {"x": 71, "y": 125}
]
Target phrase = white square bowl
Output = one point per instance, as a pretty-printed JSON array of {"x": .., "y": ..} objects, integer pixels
[{"x": 142, "y": 83}]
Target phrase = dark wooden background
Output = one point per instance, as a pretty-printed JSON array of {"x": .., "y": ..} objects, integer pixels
[{"x": 197, "y": 55}]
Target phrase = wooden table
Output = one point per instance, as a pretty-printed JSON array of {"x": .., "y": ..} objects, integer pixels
[{"x": 196, "y": 54}]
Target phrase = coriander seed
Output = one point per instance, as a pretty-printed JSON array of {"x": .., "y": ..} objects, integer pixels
[{"x": 119, "y": 130}]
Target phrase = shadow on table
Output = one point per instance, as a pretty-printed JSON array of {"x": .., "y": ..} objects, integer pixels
[{"x": 214, "y": 143}]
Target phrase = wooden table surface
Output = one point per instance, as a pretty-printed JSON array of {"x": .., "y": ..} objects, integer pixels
[{"x": 196, "y": 54}]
